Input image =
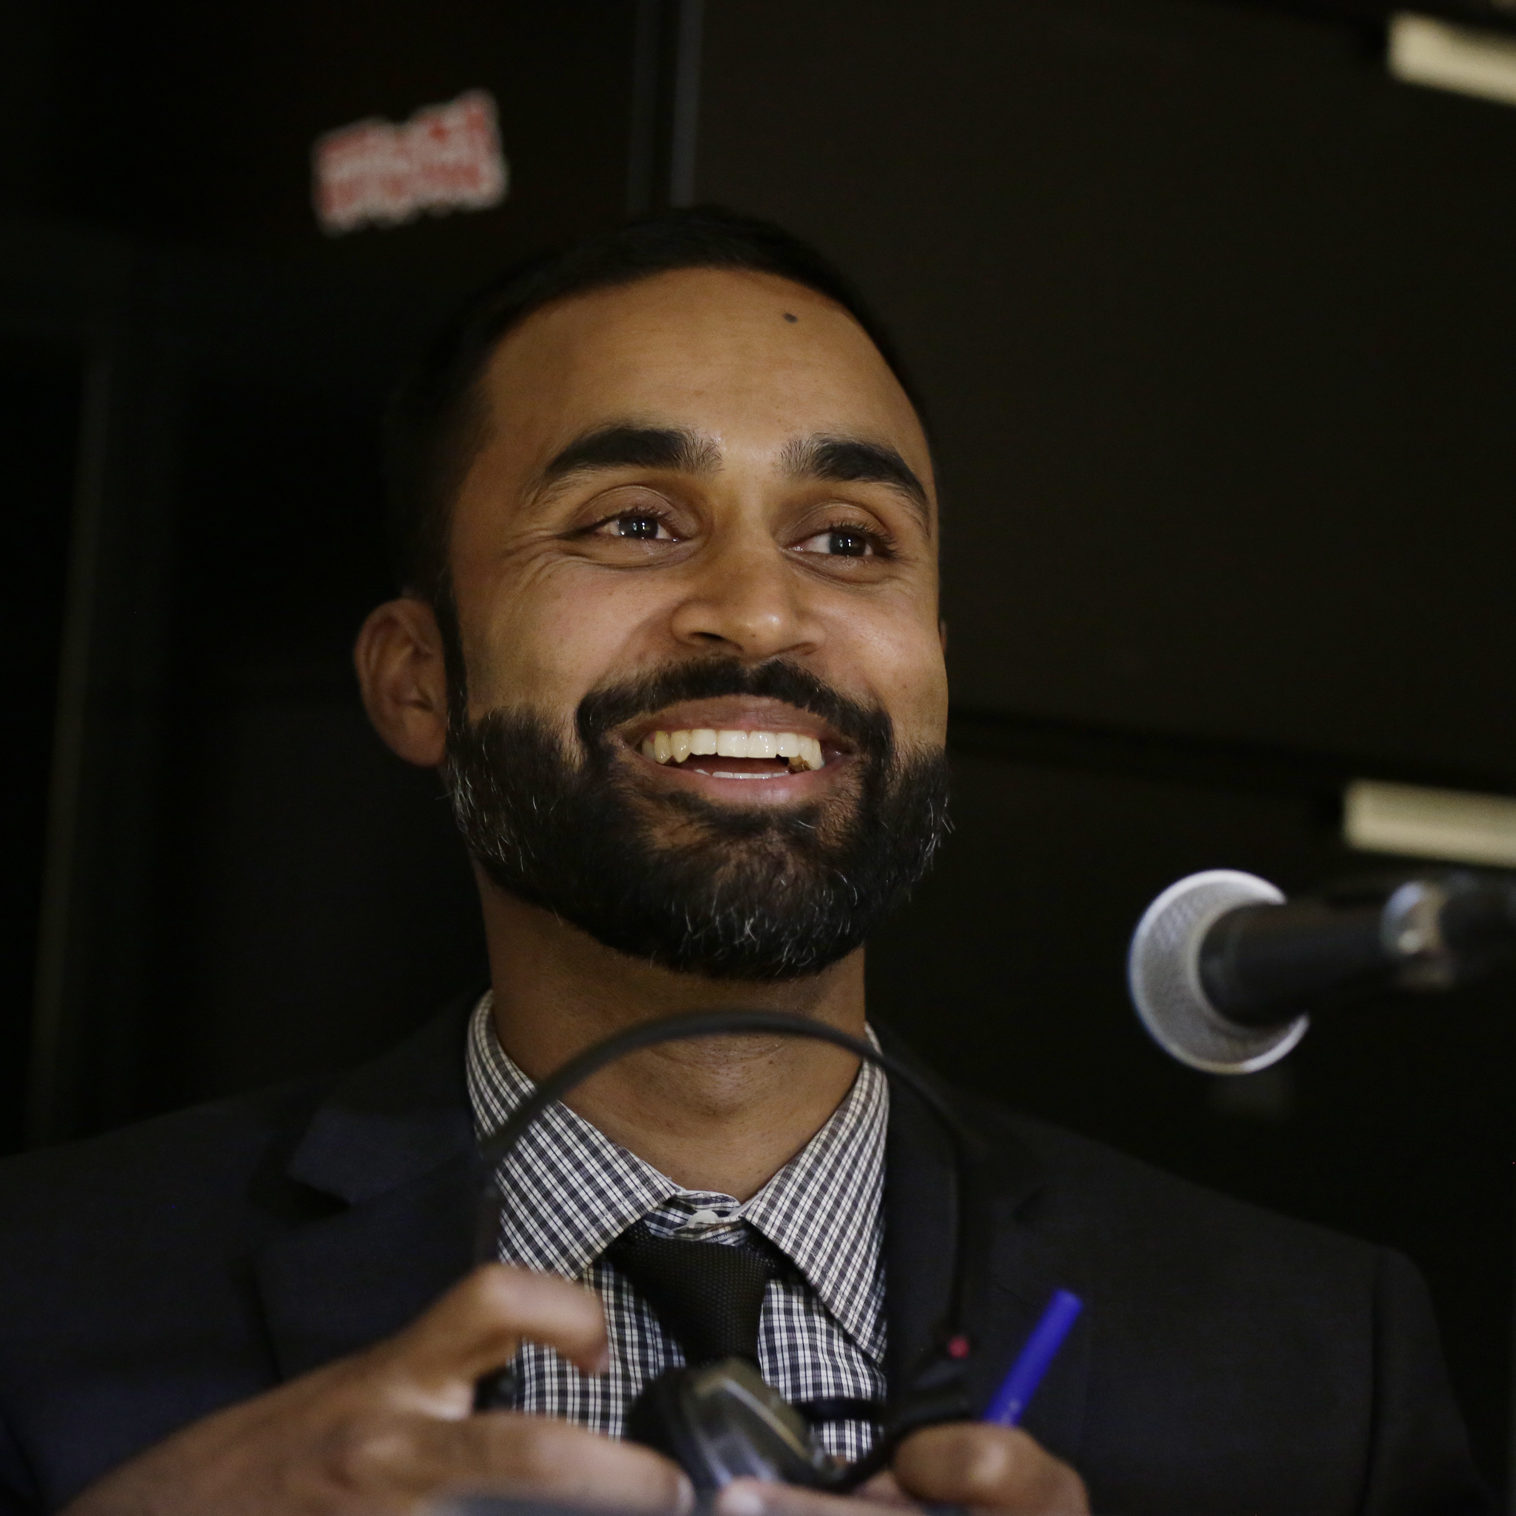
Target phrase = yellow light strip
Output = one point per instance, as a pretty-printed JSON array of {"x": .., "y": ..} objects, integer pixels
[
  {"x": 1455, "y": 825},
  {"x": 1447, "y": 56}
]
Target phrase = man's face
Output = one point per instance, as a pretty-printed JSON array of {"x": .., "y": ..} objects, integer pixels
[{"x": 702, "y": 515}]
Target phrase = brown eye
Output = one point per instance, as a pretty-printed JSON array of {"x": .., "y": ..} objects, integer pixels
[
  {"x": 637, "y": 526},
  {"x": 844, "y": 542}
]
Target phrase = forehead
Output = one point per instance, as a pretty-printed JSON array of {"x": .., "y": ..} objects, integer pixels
[{"x": 749, "y": 359}]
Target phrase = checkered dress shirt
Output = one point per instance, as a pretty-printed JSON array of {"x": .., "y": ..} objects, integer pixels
[{"x": 570, "y": 1192}]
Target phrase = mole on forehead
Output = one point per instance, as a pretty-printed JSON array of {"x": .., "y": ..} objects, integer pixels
[{"x": 790, "y": 316}]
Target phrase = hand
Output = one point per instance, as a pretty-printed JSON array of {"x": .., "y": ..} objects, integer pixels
[
  {"x": 388, "y": 1430},
  {"x": 971, "y": 1464}
]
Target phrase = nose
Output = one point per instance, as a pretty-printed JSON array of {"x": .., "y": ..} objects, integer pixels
[{"x": 745, "y": 597}]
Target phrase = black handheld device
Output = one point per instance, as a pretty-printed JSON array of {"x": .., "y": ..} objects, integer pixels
[{"x": 721, "y": 1421}]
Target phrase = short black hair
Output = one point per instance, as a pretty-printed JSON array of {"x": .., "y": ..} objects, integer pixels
[{"x": 434, "y": 424}]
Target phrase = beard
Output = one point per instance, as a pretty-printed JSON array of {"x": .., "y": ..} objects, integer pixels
[{"x": 722, "y": 890}]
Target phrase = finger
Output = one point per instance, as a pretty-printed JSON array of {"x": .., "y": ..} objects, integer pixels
[
  {"x": 479, "y": 1324},
  {"x": 523, "y": 1454},
  {"x": 974, "y": 1464},
  {"x": 885, "y": 1489},
  {"x": 754, "y": 1497}
]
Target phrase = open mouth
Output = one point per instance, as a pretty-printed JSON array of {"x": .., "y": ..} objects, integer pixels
[
  {"x": 748, "y": 751},
  {"x": 743, "y": 755}
]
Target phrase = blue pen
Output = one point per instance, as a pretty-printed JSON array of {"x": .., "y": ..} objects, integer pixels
[{"x": 1018, "y": 1387}]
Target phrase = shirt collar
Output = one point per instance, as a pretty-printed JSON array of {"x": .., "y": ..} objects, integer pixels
[
  {"x": 571, "y": 1191},
  {"x": 824, "y": 1210}
]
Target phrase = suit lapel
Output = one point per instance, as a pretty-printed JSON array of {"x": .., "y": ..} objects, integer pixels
[
  {"x": 393, "y": 1148},
  {"x": 1010, "y": 1283},
  {"x": 1025, "y": 1275},
  {"x": 920, "y": 1212}
]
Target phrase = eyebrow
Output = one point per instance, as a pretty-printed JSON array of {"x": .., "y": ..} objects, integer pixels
[
  {"x": 855, "y": 460},
  {"x": 625, "y": 445}
]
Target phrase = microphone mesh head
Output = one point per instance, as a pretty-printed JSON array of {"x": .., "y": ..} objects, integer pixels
[{"x": 1163, "y": 971}]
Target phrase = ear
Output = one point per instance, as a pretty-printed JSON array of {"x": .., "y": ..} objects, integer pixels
[{"x": 403, "y": 679}]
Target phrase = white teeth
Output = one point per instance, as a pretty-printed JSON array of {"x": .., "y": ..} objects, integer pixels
[{"x": 674, "y": 747}]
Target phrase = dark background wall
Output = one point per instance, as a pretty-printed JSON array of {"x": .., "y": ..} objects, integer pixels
[{"x": 1216, "y": 329}]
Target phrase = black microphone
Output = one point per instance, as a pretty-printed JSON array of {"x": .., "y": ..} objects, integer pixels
[{"x": 1222, "y": 968}]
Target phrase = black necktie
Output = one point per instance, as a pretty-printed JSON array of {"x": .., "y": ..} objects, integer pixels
[{"x": 708, "y": 1295}]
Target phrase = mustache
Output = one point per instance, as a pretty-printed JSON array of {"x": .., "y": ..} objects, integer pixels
[{"x": 867, "y": 727}]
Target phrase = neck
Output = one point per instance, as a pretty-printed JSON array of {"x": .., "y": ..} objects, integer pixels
[{"x": 721, "y": 1113}]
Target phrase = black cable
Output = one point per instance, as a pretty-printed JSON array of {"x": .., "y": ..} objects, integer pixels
[{"x": 971, "y": 1213}]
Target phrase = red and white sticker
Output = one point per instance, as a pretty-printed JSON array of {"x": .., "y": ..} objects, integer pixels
[{"x": 445, "y": 158}]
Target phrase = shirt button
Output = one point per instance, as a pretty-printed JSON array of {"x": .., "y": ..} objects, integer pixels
[{"x": 704, "y": 1217}]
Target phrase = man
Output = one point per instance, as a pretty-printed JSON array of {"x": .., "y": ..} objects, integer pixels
[{"x": 668, "y": 530}]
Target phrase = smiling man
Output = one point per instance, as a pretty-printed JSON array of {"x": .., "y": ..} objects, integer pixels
[{"x": 667, "y": 525}]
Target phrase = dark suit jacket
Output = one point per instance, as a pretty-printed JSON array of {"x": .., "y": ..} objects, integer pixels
[{"x": 1226, "y": 1361}]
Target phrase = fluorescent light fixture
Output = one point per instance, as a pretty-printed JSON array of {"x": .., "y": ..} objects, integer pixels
[
  {"x": 1447, "y": 56},
  {"x": 1454, "y": 825}
]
